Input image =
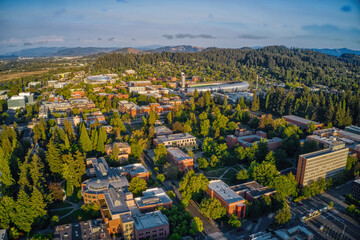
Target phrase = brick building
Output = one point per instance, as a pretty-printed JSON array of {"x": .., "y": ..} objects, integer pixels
[{"x": 180, "y": 159}]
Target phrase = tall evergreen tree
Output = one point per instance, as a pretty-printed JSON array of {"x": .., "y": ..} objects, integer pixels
[
  {"x": 38, "y": 204},
  {"x": 5, "y": 177},
  {"x": 69, "y": 130},
  {"x": 53, "y": 157},
  {"x": 115, "y": 153},
  {"x": 85, "y": 142},
  {"x": 36, "y": 168},
  {"x": 23, "y": 212}
]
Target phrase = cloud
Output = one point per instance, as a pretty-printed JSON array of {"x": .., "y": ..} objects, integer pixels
[
  {"x": 60, "y": 12},
  {"x": 27, "y": 44},
  {"x": 34, "y": 40},
  {"x": 251, "y": 37},
  {"x": 99, "y": 39},
  {"x": 187, "y": 35},
  {"x": 121, "y": 1},
  {"x": 111, "y": 39},
  {"x": 346, "y": 8},
  {"x": 168, "y": 37}
]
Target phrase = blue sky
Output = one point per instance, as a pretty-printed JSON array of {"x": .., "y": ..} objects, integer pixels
[{"x": 206, "y": 23}]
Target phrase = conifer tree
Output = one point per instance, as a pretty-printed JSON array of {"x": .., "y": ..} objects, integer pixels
[
  {"x": 68, "y": 128},
  {"x": 85, "y": 142},
  {"x": 38, "y": 203},
  {"x": 36, "y": 168},
  {"x": 53, "y": 157},
  {"x": 5, "y": 177},
  {"x": 24, "y": 216},
  {"x": 115, "y": 153}
]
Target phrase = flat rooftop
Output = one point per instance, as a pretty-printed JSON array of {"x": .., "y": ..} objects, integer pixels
[
  {"x": 133, "y": 169},
  {"x": 153, "y": 196},
  {"x": 321, "y": 152},
  {"x": 162, "y": 130},
  {"x": 300, "y": 119},
  {"x": 224, "y": 191},
  {"x": 150, "y": 220},
  {"x": 174, "y": 137},
  {"x": 178, "y": 154},
  {"x": 254, "y": 188}
]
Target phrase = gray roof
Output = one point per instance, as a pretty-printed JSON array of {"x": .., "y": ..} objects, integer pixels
[
  {"x": 150, "y": 220},
  {"x": 133, "y": 169},
  {"x": 115, "y": 200},
  {"x": 224, "y": 191},
  {"x": 153, "y": 196},
  {"x": 174, "y": 137}
]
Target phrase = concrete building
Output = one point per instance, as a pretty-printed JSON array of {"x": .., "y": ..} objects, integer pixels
[
  {"x": 225, "y": 87},
  {"x": 356, "y": 189},
  {"x": 153, "y": 198},
  {"x": 134, "y": 170},
  {"x": 353, "y": 129},
  {"x": 252, "y": 190},
  {"x": 153, "y": 225},
  {"x": 124, "y": 150},
  {"x": 178, "y": 139},
  {"x": 139, "y": 83},
  {"x": 321, "y": 164},
  {"x": 301, "y": 122},
  {"x": 180, "y": 159},
  {"x": 99, "y": 79},
  {"x": 21, "y": 101},
  {"x": 73, "y": 120},
  {"x": 91, "y": 229},
  {"x": 92, "y": 117},
  {"x": 294, "y": 233},
  {"x": 3, "y": 234},
  {"x": 248, "y": 141},
  {"x": 232, "y": 202},
  {"x": 162, "y": 130}
]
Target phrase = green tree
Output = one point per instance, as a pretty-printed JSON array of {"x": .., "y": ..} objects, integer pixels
[
  {"x": 265, "y": 173},
  {"x": 5, "y": 176},
  {"x": 170, "y": 171},
  {"x": 242, "y": 175},
  {"x": 85, "y": 142},
  {"x": 212, "y": 208},
  {"x": 169, "y": 118},
  {"x": 331, "y": 204},
  {"x": 192, "y": 184},
  {"x": 255, "y": 106},
  {"x": 137, "y": 186},
  {"x": 69, "y": 130},
  {"x": 175, "y": 236},
  {"x": 160, "y": 154},
  {"x": 283, "y": 215},
  {"x": 203, "y": 163},
  {"x": 234, "y": 221},
  {"x": 115, "y": 153},
  {"x": 214, "y": 161},
  {"x": 196, "y": 226},
  {"x": 160, "y": 177},
  {"x": 23, "y": 215},
  {"x": 285, "y": 185}
]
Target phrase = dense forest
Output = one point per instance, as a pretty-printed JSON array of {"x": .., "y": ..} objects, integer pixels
[{"x": 275, "y": 63}]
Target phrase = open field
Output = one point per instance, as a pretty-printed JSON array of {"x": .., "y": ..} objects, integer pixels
[{"x": 4, "y": 77}]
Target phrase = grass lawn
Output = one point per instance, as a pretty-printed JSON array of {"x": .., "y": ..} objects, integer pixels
[
  {"x": 76, "y": 216},
  {"x": 230, "y": 174},
  {"x": 60, "y": 213},
  {"x": 59, "y": 205},
  {"x": 215, "y": 173}
]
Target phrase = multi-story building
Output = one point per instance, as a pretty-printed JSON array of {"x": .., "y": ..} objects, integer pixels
[
  {"x": 153, "y": 225},
  {"x": 139, "y": 83},
  {"x": 73, "y": 120},
  {"x": 134, "y": 170},
  {"x": 128, "y": 107},
  {"x": 252, "y": 190},
  {"x": 21, "y": 101},
  {"x": 248, "y": 141},
  {"x": 180, "y": 159},
  {"x": 321, "y": 164},
  {"x": 301, "y": 122},
  {"x": 92, "y": 117},
  {"x": 153, "y": 198},
  {"x": 82, "y": 103},
  {"x": 353, "y": 129},
  {"x": 124, "y": 150},
  {"x": 178, "y": 139},
  {"x": 77, "y": 93},
  {"x": 99, "y": 79},
  {"x": 356, "y": 189},
  {"x": 162, "y": 130},
  {"x": 232, "y": 202}
]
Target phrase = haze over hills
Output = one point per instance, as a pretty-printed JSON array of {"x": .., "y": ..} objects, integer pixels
[{"x": 85, "y": 51}]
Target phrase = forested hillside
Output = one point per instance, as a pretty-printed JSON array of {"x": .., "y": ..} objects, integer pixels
[{"x": 292, "y": 66}]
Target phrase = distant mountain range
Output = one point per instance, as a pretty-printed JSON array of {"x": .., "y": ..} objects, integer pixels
[
  {"x": 85, "y": 51},
  {"x": 336, "y": 52}
]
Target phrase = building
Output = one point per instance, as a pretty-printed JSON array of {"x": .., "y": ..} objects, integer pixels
[
  {"x": 105, "y": 178},
  {"x": 301, "y": 122},
  {"x": 73, "y": 120},
  {"x": 294, "y": 233},
  {"x": 321, "y": 164},
  {"x": 183, "y": 79},
  {"x": 82, "y": 103},
  {"x": 124, "y": 150},
  {"x": 248, "y": 141},
  {"x": 224, "y": 87},
  {"x": 252, "y": 190},
  {"x": 3, "y": 234},
  {"x": 162, "y": 130},
  {"x": 139, "y": 83},
  {"x": 356, "y": 189},
  {"x": 77, "y": 93},
  {"x": 60, "y": 85},
  {"x": 134, "y": 170},
  {"x": 92, "y": 117},
  {"x": 91, "y": 229},
  {"x": 99, "y": 79},
  {"x": 128, "y": 107},
  {"x": 180, "y": 159},
  {"x": 34, "y": 84},
  {"x": 232, "y": 202},
  {"x": 178, "y": 139},
  {"x": 153, "y": 225},
  {"x": 353, "y": 129},
  {"x": 153, "y": 198},
  {"x": 21, "y": 101}
]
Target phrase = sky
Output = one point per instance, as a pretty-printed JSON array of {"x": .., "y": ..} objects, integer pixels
[{"x": 204, "y": 23}]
